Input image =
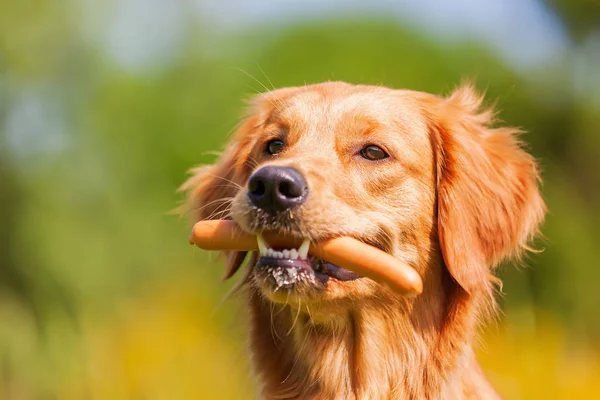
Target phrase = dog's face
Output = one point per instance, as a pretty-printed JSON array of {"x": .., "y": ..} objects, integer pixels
[
  {"x": 408, "y": 172},
  {"x": 336, "y": 161}
]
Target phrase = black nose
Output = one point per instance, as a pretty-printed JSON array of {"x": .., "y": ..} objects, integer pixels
[{"x": 277, "y": 188}]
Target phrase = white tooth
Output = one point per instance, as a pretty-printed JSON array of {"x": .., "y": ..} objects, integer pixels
[
  {"x": 279, "y": 254},
  {"x": 286, "y": 254},
  {"x": 270, "y": 252},
  {"x": 262, "y": 246},
  {"x": 293, "y": 254},
  {"x": 303, "y": 250}
]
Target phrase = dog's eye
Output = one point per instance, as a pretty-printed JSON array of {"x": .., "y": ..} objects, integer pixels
[
  {"x": 274, "y": 146},
  {"x": 373, "y": 153}
]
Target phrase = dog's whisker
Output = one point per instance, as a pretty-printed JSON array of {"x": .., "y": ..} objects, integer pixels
[
  {"x": 271, "y": 83},
  {"x": 229, "y": 185},
  {"x": 264, "y": 87},
  {"x": 295, "y": 319},
  {"x": 255, "y": 90},
  {"x": 310, "y": 318},
  {"x": 280, "y": 310},
  {"x": 265, "y": 75},
  {"x": 220, "y": 211},
  {"x": 218, "y": 201},
  {"x": 224, "y": 214},
  {"x": 297, "y": 356},
  {"x": 287, "y": 299},
  {"x": 254, "y": 78},
  {"x": 273, "y": 330},
  {"x": 253, "y": 162},
  {"x": 237, "y": 185}
]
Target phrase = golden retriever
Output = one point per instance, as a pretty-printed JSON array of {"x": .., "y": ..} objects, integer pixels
[{"x": 424, "y": 178}]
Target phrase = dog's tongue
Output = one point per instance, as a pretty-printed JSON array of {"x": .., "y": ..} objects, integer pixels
[{"x": 340, "y": 274}]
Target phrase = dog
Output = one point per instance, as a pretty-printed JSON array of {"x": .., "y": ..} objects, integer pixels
[{"x": 427, "y": 179}]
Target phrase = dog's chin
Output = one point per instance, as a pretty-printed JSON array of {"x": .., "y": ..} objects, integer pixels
[{"x": 282, "y": 280}]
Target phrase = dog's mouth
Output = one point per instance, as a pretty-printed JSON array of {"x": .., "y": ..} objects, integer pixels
[{"x": 284, "y": 268}]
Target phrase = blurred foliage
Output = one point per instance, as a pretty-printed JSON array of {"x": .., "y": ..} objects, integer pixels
[
  {"x": 581, "y": 17},
  {"x": 101, "y": 296}
]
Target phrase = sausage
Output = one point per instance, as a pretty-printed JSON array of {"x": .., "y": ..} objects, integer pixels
[
  {"x": 371, "y": 262},
  {"x": 345, "y": 252}
]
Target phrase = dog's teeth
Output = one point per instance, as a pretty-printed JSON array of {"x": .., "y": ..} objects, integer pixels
[
  {"x": 262, "y": 246},
  {"x": 303, "y": 250},
  {"x": 292, "y": 254}
]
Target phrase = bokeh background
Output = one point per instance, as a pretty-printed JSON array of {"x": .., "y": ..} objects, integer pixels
[{"x": 104, "y": 105}]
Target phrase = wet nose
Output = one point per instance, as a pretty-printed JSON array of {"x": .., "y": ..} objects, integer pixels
[{"x": 276, "y": 189}]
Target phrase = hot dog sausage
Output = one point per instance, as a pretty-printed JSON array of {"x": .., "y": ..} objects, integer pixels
[{"x": 345, "y": 252}]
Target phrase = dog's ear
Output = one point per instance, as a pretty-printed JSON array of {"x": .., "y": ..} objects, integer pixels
[
  {"x": 211, "y": 188},
  {"x": 489, "y": 205}
]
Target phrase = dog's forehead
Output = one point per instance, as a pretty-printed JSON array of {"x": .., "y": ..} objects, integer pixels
[
  {"x": 342, "y": 117},
  {"x": 364, "y": 107}
]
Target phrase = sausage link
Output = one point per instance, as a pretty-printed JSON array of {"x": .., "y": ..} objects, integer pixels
[{"x": 345, "y": 252}]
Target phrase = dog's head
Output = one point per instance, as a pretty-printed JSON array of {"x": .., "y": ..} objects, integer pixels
[{"x": 421, "y": 177}]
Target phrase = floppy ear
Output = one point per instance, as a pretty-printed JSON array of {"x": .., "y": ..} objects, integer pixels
[
  {"x": 212, "y": 188},
  {"x": 489, "y": 205}
]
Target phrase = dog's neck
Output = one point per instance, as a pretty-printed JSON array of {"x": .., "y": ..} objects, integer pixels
[{"x": 372, "y": 352}]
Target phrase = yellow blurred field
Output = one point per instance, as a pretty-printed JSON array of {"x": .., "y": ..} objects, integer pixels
[{"x": 160, "y": 346}]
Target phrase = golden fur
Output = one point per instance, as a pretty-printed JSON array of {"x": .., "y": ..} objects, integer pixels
[{"x": 455, "y": 198}]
